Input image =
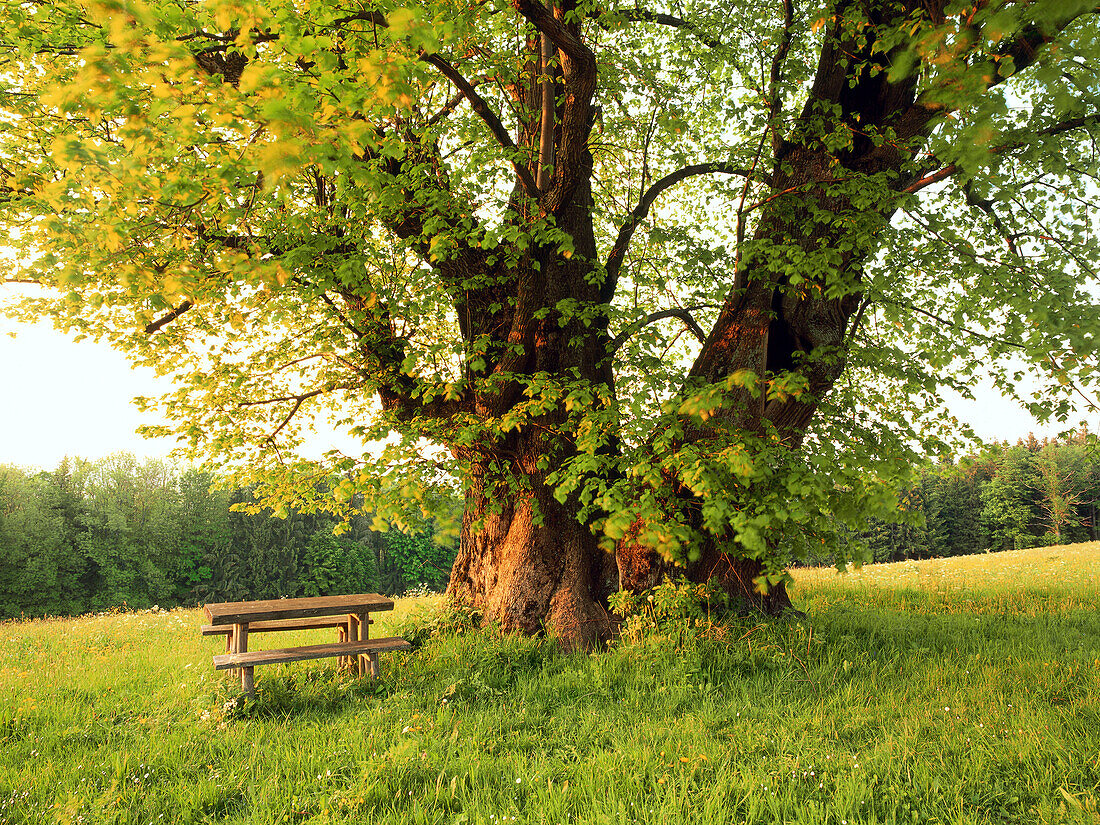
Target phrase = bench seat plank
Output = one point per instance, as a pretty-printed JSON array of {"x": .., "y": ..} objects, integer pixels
[
  {"x": 317, "y": 623},
  {"x": 300, "y": 654}
]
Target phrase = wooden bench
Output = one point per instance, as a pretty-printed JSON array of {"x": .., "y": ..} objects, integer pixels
[{"x": 349, "y": 615}]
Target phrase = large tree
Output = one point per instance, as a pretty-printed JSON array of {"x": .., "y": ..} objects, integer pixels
[{"x": 668, "y": 287}]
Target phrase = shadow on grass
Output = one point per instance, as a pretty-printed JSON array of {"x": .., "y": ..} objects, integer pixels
[
  {"x": 316, "y": 693},
  {"x": 841, "y": 646}
]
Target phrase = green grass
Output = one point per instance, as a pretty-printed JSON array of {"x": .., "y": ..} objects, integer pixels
[{"x": 955, "y": 691}]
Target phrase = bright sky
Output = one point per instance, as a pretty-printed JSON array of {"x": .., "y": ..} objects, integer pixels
[
  {"x": 60, "y": 397},
  {"x": 66, "y": 398}
]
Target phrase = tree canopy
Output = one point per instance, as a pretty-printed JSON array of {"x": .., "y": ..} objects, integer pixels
[{"x": 668, "y": 288}]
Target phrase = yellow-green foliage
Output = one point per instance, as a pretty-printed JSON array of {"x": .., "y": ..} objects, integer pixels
[{"x": 957, "y": 691}]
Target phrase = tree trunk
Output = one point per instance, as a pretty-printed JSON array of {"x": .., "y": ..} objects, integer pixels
[
  {"x": 529, "y": 564},
  {"x": 772, "y": 323},
  {"x": 736, "y": 575}
]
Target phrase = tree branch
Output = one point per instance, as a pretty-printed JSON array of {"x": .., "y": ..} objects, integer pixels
[
  {"x": 348, "y": 325},
  {"x": 449, "y": 107},
  {"x": 281, "y": 398},
  {"x": 981, "y": 335},
  {"x": 645, "y": 16},
  {"x": 775, "y": 98},
  {"x": 9, "y": 193},
  {"x": 486, "y": 114},
  {"x": 1024, "y": 48},
  {"x": 168, "y": 318},
  {"x": 683, "y": 314},
  {"x": 738, "y": 274},
  {"x": 987, "y": 206},
  {"x": 1058, "y": 368},
  {"x": 578, "y": 71},
  {"x": 641, "y": 211},
  {"x": 298, "y": 401},
  {"x": 543, "y": 19},
  {"x": 546, "y": 120},
  {"x": 930, "y": 177}
]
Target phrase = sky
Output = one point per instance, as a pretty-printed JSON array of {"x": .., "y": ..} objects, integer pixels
[
  {"x": 60, "y": 397},
  {"x": 66, "y": 398}
]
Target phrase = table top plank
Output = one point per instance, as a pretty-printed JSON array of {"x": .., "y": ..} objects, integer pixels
[{"x": 237, "y": 612}]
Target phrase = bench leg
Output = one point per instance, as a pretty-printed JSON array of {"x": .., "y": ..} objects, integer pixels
[
  {"x": 232, "y": 645},
  {"x": 352, "y": 636},
  {"x": 240, "y": 645},
  {"x": 364, "y": 634},
  {"x": 375, "y": 668}
]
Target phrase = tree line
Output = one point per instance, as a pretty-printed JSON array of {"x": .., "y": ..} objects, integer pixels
[
  {"x": 1005, "y": 497},
  {"x": 94, "y": 535}
]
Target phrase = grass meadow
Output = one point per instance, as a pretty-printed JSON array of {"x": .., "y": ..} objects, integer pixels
[{"x": 950, "y": 691}]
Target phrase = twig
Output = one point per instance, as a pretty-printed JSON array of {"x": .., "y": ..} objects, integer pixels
[{"x": 168, "y": 318}]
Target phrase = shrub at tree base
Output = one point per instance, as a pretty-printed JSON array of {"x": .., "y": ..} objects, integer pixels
[{"x": 676, "y": 611}]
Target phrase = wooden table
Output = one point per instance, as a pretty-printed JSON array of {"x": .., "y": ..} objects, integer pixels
[{"x": 293, "y": 614}]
